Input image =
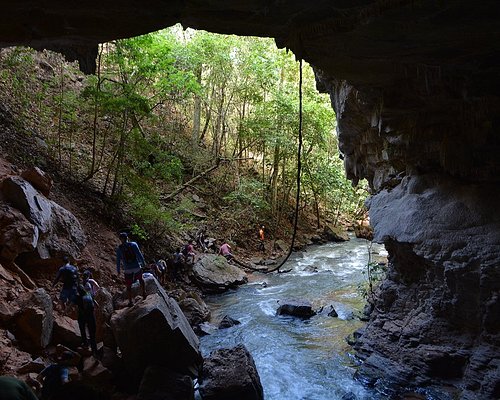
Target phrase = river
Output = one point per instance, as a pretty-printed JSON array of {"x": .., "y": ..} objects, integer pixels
[{"x": 300, "y": 359}]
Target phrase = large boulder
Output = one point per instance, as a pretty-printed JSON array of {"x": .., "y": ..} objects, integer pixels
[
  {"x": 230, "y": 374},
  {"x": 213, "y": 273},
  {"x": 333, "y": 233},
  {"x": 296, "y": 308},
  {"x": 155, "y": 331},
  {"x": 160, "y": 383},
  {"x": 34, "y": 322},
  {"x": 17, "y": 234},
  {"x": 60, "y": 232},
  {"x": 39, "y": 179},
  {"x": 195, "y": 311},
  {"x": 66, "y": 331}
]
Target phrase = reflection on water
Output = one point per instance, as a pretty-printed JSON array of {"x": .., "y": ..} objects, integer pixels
[{"x": 299, "y": 360}]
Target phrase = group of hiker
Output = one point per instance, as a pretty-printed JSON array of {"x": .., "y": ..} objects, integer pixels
[{"x": 81, "y": 292}]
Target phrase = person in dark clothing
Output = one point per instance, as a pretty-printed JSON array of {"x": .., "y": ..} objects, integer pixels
[
  {"x": 129, "y": 254},
  {"x": 86, "y": 318},
  {"x": 69, "y": 275},
  {"x": 13, "y": 389},
  {"x": 178, "y": 263},
  {"x": 55, "y": 376}
]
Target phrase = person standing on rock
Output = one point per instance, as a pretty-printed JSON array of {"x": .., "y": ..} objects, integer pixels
[
  {"x": 129, "y": 254},
  {"x": 261, "y": 239},
  {"x": 69, "y": 275},
  {"x": 86, "y": 319},
  {"x": 89, "y": 284}
]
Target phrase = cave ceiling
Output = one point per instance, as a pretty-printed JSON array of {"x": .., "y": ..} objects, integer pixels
[{"x": 407, "y": 71}]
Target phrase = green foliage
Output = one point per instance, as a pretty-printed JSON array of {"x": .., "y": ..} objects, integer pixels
[
  {"x": 249, "y": 193},
  {"x": 130, "y": 131}
]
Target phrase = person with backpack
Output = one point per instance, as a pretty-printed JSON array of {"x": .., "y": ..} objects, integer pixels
[
  {"x": 69, "y": 275},
  {"x": 86, "y": 319},
  {"x": 188, "y": 252},
  {"x": 129, "y": 254},
  {"x": 90, "y": 284}
]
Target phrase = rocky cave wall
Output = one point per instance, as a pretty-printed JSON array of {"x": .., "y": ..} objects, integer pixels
[{"x": 415, "y": 85}]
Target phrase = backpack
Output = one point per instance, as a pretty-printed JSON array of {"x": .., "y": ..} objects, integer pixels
[
  {"x": 184, "y": 250},
  {"x": 128, "y": 253},
  {"x": 69, "y": 276}
]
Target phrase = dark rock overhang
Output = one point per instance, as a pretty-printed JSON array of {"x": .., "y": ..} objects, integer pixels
[{"x": 415, "y": 84}]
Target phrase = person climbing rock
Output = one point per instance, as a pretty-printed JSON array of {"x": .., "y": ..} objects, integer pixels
[
  {"x": 177, "y": 262},
  {"x": 262, "y": 238},
  {"x": 129, "y": 254},
  {"x": 14, "y": 389},
  {"x": 225, "y": 251},
  {"x": 69, "y": 275},
  {"x": 86, "y": 319},
  {"x": 55, "y": 375},
  {"x": 89, "y": 284},
  {"x": 188, "y": 252},
  {"x": 161, "y": 268}
]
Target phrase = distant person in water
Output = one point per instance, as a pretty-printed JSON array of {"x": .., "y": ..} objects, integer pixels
[
  {"x": 14, "y": 389},
  {"x": 225, "y": 251},
  {"x": 129, "y": 254},
  {"x": 86, "y": 319},
  {"x": 89, "y": 284},
  {"x": 69, "y": 275},
  {"x": 262, "y": 237}
]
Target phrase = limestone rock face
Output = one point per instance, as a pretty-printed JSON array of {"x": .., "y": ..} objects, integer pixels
[
  {"x": 439, "y": 305},
  {"x": 56, "y": 231},
  {"x": 155, "y": 331},
  {"x": 231, "y": 374},
  {"x": 34, "y": 321},
  {"x": 214, "y": 274}
]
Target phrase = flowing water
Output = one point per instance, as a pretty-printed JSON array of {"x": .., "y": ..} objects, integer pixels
[{"x": 299, "y": 359}]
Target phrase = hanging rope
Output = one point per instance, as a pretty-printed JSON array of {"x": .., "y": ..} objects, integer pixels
[{"x": 299, "y": 168}]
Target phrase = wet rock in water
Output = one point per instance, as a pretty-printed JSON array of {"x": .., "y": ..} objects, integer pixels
[
  {"x": 213, "y": 273},
  {"x": 228, "y": 322},
  {"x": 329, "y": 311},
  {"x": 333, "y": 233},
  {"x": 34, "y": 322},
  {"x": 230, "y": 374},
  {"x": 296, "y": 308},
  {"x": 39, "y": 179},
  {"x": 155, "y": 331},
  {"x": 162, "y": 383}
]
